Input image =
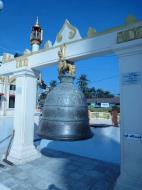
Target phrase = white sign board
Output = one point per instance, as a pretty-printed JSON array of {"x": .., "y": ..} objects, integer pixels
[{"x": 104, "y": 105}]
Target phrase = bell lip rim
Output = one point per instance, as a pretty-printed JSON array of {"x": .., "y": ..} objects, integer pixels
[{"x": 63, "y": 138}]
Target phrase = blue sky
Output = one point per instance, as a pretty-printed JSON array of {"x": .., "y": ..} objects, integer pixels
[{"x": 18, "y": 17}]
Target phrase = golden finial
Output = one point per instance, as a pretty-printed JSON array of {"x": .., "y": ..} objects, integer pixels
[{"x": 91, "y": 32}]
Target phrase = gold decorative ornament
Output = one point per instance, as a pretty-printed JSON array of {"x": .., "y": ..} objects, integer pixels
[
  {"x": 62, "y": 61},
  {"x": 48, "y": 44},
  {"x": 72, "y": 28},
  {"x": 7, "y": 57},
  {"x": 131, "y": 34},
  {"x": 2, "y": 78},
  {"x": 71, "y": 69},
  {"x": 91, "y": 32},
  {"x": 59, "y": 38},
  {"x": 65, "y": 66},
  {"x": 21, "y": 62},
  {"x": 12, "y": 79},
  {"x": 130, "y": 19},
  {"x": 71, "y": 34}
]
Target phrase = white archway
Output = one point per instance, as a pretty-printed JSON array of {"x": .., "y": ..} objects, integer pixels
[{"x": 126, "y": 42}]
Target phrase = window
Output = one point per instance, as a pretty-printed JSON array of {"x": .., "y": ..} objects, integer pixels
[
  {"x": 12, "y": 102},
  {"x": 12, "y": 87}
]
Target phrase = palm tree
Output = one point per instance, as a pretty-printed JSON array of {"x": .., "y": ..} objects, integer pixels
[
  {"x": 92, "y": 92},
  {"x": 82, "y": 82},
  {"x": 99, "y": 93},
  {"x": 103, "y": 94},
  {"x": 108, "y": 94}
]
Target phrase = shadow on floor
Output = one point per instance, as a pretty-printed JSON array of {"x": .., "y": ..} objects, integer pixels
[
  {"x": 104, "y": 145},
  {"x": 56, "y": 170},
  {"x": 80, "y": 173},
  {"x": 69, "y": 171}
]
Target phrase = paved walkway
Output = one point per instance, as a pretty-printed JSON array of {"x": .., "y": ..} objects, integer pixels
[{"x": 60, "y": 171}]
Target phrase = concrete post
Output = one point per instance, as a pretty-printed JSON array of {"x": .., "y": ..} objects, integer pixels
[
  {"x": 130, "y": 63},
  {"x": 22, "y": 149}
]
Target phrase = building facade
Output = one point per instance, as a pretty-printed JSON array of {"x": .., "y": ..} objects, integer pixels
[
  {"x": 7, "y": 95},
  {"x": 8, "y": 83}
]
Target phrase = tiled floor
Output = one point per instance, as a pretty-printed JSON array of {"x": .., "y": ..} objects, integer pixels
[{"x": 60, "y": 171}]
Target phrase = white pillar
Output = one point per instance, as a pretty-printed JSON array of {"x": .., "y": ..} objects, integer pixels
[
  {"x": 130, "y": 63},
  {"x": 22, "y": 149},
  {"x": 35, "y": 47},
  {"x": 4, "y": 97}
]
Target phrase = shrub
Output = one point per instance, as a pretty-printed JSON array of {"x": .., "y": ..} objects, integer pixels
[{"x": 94, "y": 109}]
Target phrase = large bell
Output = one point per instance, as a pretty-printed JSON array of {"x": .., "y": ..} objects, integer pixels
[{"x": 65, "y": 111}]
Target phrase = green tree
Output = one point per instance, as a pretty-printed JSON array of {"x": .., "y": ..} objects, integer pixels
[
  {"x": 99, "y": 93},
  {"x": 82, "y": 82},
  {"x": 92, "y": 92},
  {"x": 103, "y": 94},
  {"x": 108, "y": 94}
]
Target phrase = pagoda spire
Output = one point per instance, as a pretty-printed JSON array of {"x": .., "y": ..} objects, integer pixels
[
  {"x": 37, "y": 21},
  {"x": 36, "y": 36}
]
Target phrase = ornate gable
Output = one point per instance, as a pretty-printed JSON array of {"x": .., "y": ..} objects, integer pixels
[{"x": 67, "y": 33}]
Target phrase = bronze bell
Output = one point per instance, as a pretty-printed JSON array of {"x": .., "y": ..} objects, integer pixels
[{"x": 65, "y": 111}]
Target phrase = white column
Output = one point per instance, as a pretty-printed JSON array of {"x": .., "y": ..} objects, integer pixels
[
  {"x": 130, "y": 63},
  {"x": 35, "y": 47},
  {"x": 22, "y": 149},
  {"x": 4, "y": 97}
]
